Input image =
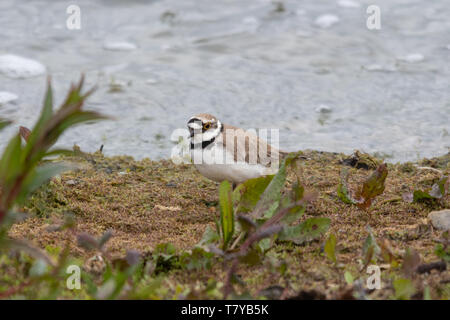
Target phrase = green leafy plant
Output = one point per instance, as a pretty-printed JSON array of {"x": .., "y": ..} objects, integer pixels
[
  {"x": 404, "y": 289},
  {"x": 263, "y": 211},
  {"x": 226, "y": 213},
  {"x": 23, "y": 168},
  {"x": 330, "y": 248},
  {"x": 370, "y": 249}
]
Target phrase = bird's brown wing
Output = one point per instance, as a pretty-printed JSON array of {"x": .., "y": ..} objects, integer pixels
[{"x": 254, "y": 148}]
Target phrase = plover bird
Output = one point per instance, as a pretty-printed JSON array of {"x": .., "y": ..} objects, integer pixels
[{"x": 223, "y": 152}]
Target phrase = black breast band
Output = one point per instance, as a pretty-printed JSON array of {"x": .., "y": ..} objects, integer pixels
[{"x": 206, "y": 143}]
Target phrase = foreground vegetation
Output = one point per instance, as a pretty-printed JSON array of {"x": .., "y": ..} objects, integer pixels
[{"x": 154, "y": 230}]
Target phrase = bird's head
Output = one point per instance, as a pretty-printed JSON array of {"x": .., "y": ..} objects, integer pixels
[{"x": 203, "y": 127}]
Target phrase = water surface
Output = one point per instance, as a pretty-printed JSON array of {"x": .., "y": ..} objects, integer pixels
[{"x": 257, "y": 64}]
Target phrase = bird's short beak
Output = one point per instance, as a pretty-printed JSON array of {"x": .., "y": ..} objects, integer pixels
[{"x": 191, "y": 132}]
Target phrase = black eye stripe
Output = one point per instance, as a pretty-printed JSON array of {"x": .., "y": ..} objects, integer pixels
[{"x": 194, "y": 120}]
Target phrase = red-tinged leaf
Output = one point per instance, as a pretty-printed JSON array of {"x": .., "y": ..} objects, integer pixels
[
  {"x": 87, "y": 241},
  {"x": 24, "y": 133},
  {"x": 373, "y": 187}
]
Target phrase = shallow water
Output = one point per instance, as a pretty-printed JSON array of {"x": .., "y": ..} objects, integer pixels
[{"x": 258, "y": 65}]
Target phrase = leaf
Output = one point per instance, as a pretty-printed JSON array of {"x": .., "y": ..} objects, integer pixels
[
  {"x": 209, "y": 236},
  {"x": 39, "y": 176},
  {"x": 330, "y": 248},
  {"x": 166, "y": 251},
  {"x": 87, "y": 241},
  {"x": 4, "y": 123},
  {"x": 133, "y": 257},
  {"x": 437, "y": 191},
  {"x": 348, "y": 277},
  {"x": 19, "y": 174},
  {"x": 253, "y": 257},
  {"x": 419, "y": 195},
  {"x": 373, "y": 186},
  {"x": 46, "y": 114},
  {"x": 442, "y": 253},
  {"x": 24, "y": 246},
  {"x": 426, "y": 293},
  {"x": 308, "y": 230},
  {"x": 411, "y": 261},
  {"x": 387, "y": 252},
  {"x": 296, "y": 194},
  {"x": 10, "y": 167},
  {"x": 39, "y": 268},
  {"x": 404, "y": 289},
  {"x": 24, "y": 133},
  {"x": 198, "y": 259},
  {"x": 247, "y": 194},
  {"x": 440, "y": 189},
  {"x": 105, "y": 238},
  {"x": 246, "y": 223},
  {"x": 343, "y": 190},
  {"x": 265, "y": 244},
  {"x": 370, "y": 248},
  {"x": 226, "y": 212},
  {"x": 271, "y": 196}
]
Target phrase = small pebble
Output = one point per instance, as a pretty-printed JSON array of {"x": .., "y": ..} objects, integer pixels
[
  {"x": 440, "y": 219},
  {"x": 71, "y": 182},
  {"x": 326, "y": 20}
]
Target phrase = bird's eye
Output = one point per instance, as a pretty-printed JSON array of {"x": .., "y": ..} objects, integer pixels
[{"x": 206, "y": 126}]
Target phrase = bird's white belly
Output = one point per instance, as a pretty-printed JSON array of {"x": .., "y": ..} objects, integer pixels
[{"x": 218, "y": 165}]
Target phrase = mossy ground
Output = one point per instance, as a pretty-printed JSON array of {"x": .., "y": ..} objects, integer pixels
[{"x": 149, "y": 202}]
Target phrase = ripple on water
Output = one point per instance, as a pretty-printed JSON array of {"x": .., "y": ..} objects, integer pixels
[
  {"x": 6, "y": 97},
  {"x": 348, "y": 4},
  {"x": 119, "y": 46},
  {"x": 326, "y": 20},
  {"x": 412, "y": 58},
  {"x": 14, "y": 66}
]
